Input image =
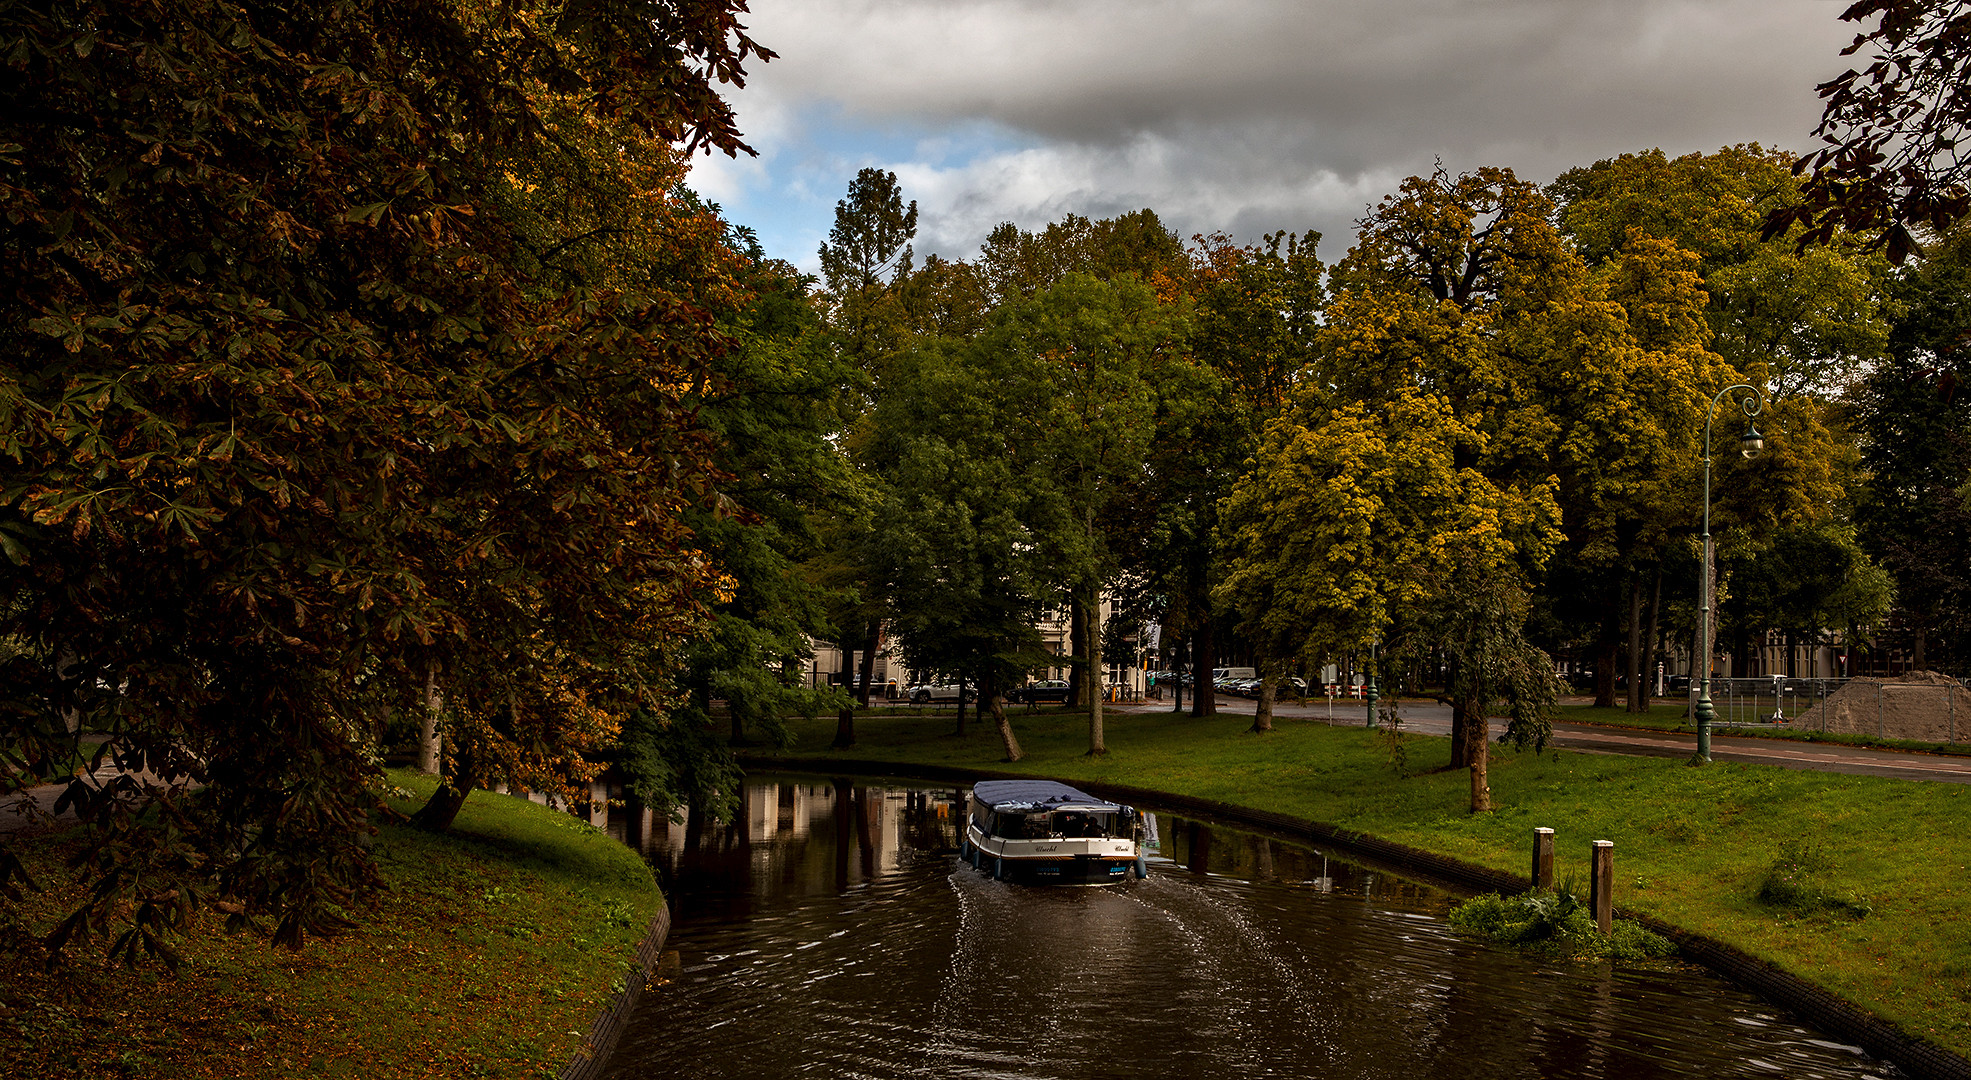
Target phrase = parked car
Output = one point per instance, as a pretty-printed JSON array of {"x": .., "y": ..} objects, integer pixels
[
  {"x": 925, "y": 693},
  {"x": 1052, "y": 691}
]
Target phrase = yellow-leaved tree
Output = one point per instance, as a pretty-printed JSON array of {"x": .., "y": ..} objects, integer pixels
[{"x": 1356, "y": 521}]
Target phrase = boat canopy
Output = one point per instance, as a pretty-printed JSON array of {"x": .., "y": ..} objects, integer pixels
[{"x": 1031, "y": 795}]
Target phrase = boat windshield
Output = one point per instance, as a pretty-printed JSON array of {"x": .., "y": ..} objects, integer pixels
[{"x": 1070, "y": 824}]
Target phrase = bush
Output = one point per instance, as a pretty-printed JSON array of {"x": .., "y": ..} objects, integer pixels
[
  {"x": 1557, "y": 923},
  {"x": 1798, "y": 881}
]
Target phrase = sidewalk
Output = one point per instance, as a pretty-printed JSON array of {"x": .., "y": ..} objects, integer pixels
[
  {"x": 32, "y": 810},
  {"x": 1430, "y": 718}
]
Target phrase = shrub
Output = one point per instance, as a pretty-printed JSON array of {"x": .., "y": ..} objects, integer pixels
[
  {"x": 1799, "y": 881},
  {"x": 1558, "y": 923}
]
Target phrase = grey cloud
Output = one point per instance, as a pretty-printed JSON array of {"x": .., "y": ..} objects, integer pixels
[{"x": 1217, "y": 113}]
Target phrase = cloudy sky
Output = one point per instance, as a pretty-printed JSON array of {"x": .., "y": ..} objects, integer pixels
[{"x": 1238, "y": 115}]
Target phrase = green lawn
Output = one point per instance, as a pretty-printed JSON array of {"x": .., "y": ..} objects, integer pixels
[
  {"x": 1692, "y": 845},
  {"x": 490, "y": 956}
]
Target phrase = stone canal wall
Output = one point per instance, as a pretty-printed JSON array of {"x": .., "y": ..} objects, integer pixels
[
  {"x": 1916, "y": 1057},
  {"x": 593, "y": 1055}
]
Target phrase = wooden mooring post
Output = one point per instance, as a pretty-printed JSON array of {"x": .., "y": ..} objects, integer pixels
[
  {"x": 1601, "y": 894},
  {"x": 1543, "y": 859}
]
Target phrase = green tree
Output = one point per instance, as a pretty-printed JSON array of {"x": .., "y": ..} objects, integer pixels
[
  {"x": 953, "y": 556},
  {"x": 774, "y": 406},
  {"x": 1091, "y": 346},
  {"x": 1804, "y": 319},
  {"x": 292, "y": 419},
  {"x": 1587, "y": 379},
  {"x": 1912, "y": 416},
  {"x": 866, "y": 266},
  {"x": 1798, "y": 322},
  {"x": 1016, "y": 265},
  {"x": 1800, "y": 582},
  {"x": 1256, "y": 312}
]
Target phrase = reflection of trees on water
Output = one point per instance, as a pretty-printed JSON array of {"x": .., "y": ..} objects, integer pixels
[
  {"x": 804, "y": 835},
  {"x": 876, "y": 952}
]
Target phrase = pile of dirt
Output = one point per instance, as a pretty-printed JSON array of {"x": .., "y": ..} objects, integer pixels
[{"x": 1926, "y": 706}]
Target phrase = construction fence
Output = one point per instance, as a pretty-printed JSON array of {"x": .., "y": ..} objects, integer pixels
[{"x": 1924, "y": 706}]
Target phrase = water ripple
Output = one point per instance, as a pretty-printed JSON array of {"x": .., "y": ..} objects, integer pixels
[{"x": 1237, "y": 956}]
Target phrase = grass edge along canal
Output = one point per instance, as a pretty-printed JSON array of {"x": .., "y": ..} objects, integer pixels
[
  {"x": 491, "y": 954},
  {"x": 1863, "y": 878}
]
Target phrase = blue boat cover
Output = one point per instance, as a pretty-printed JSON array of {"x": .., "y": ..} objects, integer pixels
[{"x": 1033, "y": 793}]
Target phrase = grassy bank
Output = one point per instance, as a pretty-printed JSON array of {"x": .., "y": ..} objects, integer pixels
[
  {"x": 1693, "y": 846},
  {"x": 490, "y": 955}
]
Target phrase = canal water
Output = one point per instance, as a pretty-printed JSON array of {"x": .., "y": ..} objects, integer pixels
[{"x": 832, "y": 931}]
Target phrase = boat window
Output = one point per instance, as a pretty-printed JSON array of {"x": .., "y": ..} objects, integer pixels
[
  {"x": 1072, "y": 824},
  {"x": 1009, "y": 825}
]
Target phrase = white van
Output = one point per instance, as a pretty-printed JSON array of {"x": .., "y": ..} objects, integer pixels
[{"x": 1220, "y": 674}]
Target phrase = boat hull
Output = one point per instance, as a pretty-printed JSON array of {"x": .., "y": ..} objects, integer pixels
[
  {"x": 1073, "y": 870},
  {"x": 1079, "y": 869}
]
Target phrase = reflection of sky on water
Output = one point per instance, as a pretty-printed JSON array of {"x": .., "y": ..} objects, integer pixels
[{"x": 832, "y": 931}]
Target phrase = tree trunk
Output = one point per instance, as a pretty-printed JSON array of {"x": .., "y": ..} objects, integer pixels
[
  {"x": 1005, "y": 727},
  {"x": 1654, "y": 625},
  {"x": 444, "y": 805},
  {"x": 1093, "y": 649},
  {"x": 1262, "y": 713},
  {"x": 1204, "y": 657},
  {"x": 1638, "y": 699},
  {"x": 1608, "y": 650},
  {"x": 428, "y": 744},
  {"x": 844, "y": 719},
  {"x": 869, "y": 643},
  {"x": 1460, "y": 730},
  {"x": 1481, "y": 791},
  {"x": 1077, "y": 634},
  {"x": 1468, "y": 720}
]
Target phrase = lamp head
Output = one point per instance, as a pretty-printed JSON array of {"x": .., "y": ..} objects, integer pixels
[{"x": 1751, "y": 442}]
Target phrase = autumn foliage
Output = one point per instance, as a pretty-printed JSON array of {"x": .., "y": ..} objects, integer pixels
[{"x": 301, "y": 407}]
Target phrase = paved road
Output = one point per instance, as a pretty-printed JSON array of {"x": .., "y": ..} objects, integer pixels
[
  {"x": 38, "y": 812},
  {"x": 1434, "y": 719}
]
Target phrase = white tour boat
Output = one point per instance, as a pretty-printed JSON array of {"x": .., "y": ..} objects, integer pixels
[{"x": 1043, "y": 832}]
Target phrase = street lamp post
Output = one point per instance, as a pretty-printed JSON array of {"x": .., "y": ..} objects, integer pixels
[
  {"x": 1369, "y": 690},
  {"x": 1751, "y": 404}
]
